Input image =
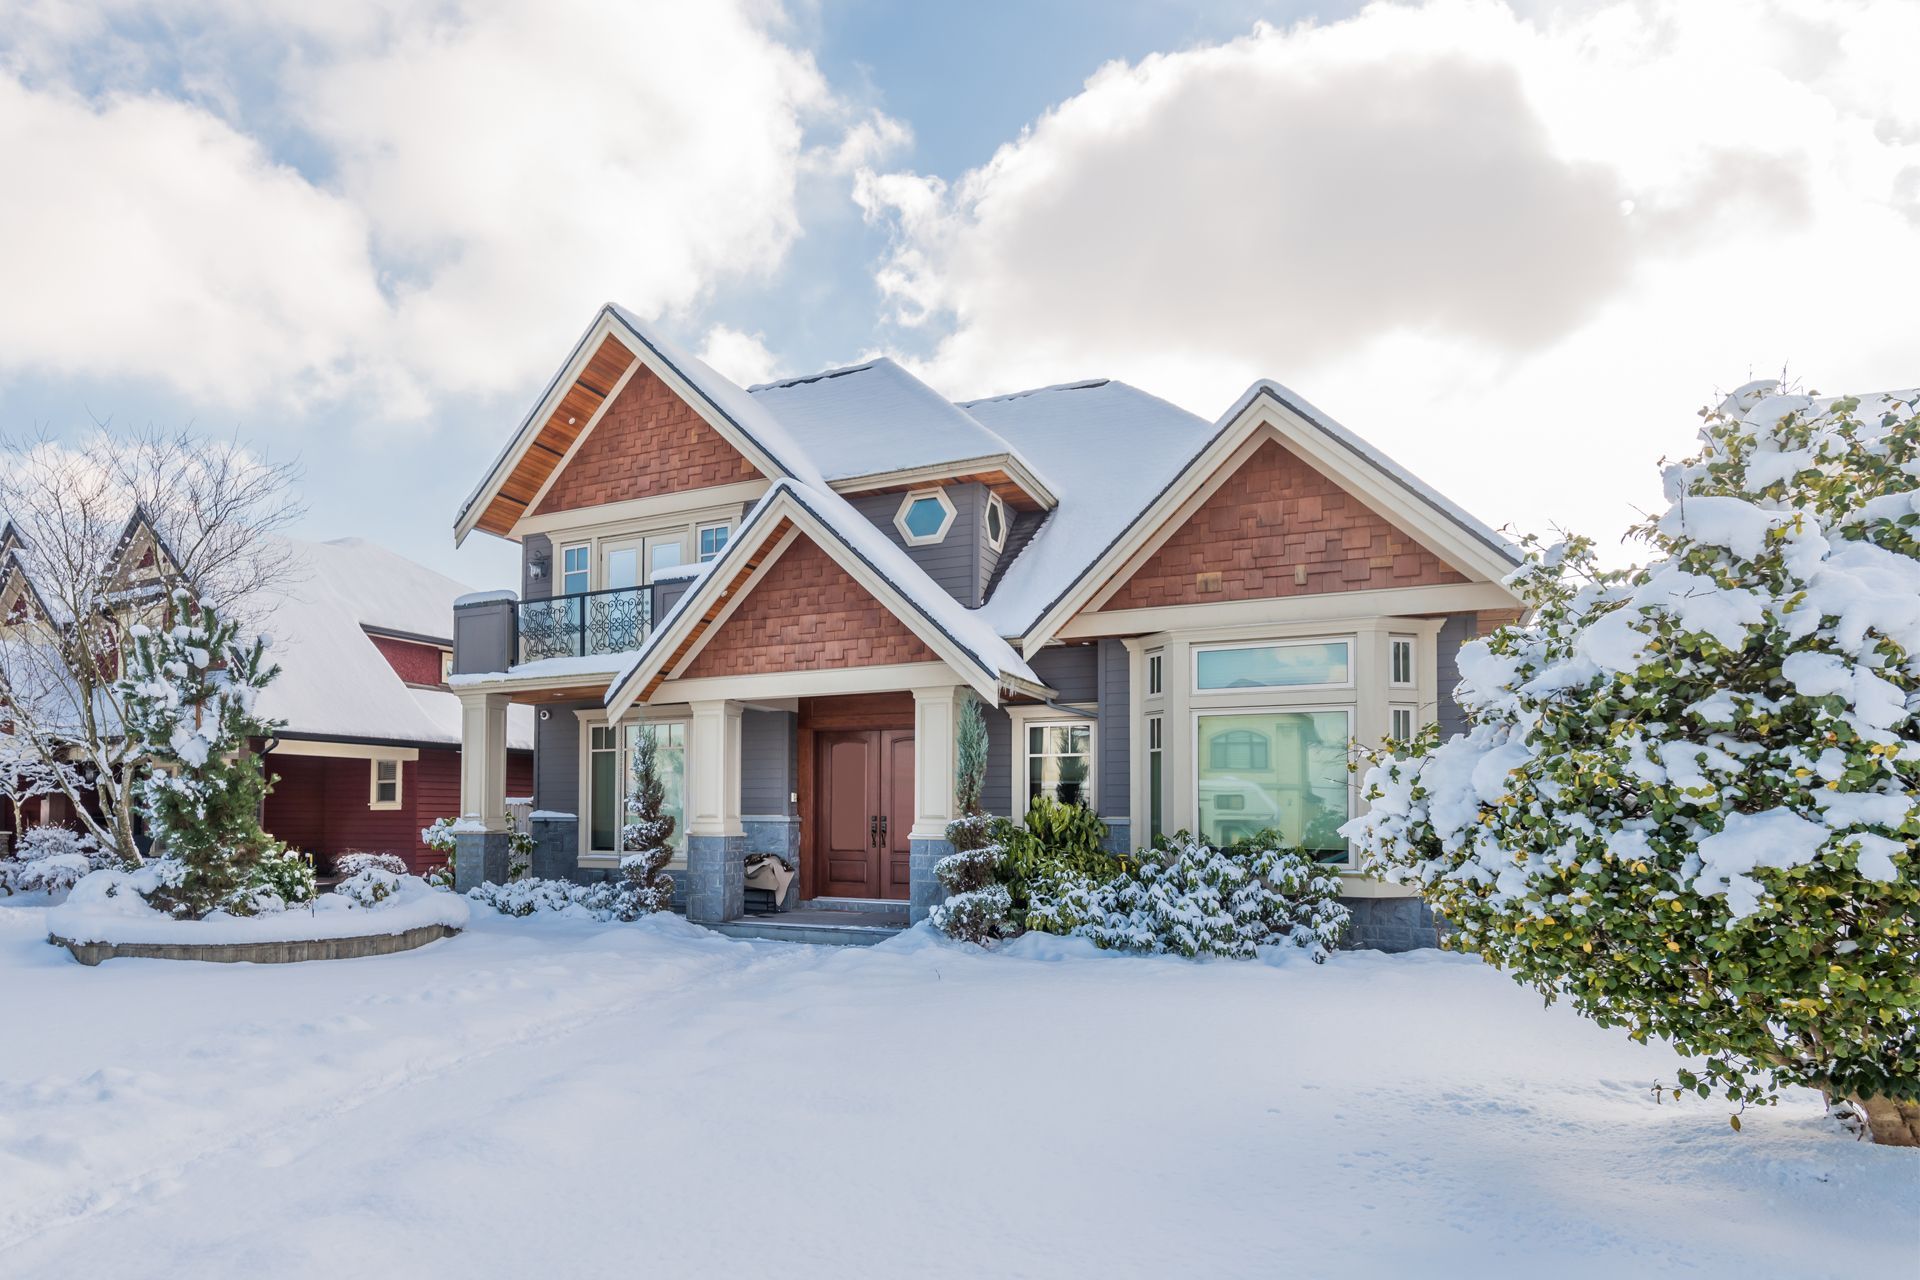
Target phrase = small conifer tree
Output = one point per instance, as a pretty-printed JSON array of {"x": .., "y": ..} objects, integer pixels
[
  {"x": 978, "y": 907},
  {"x": 645, "y": 886},
  {"x": 190, "y": 690}
]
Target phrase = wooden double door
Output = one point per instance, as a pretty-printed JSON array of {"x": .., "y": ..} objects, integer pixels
[{"x": 862, "y": 812}]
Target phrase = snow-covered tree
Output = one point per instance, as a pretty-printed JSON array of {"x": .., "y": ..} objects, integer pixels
[
  {"x": 189, "y": 690},
  {"x": 645, "y": 886},
  {"x": 96, "y": 536},
  {"x": 1686, "y": 802}
]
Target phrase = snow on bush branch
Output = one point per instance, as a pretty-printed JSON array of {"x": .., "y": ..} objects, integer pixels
[{"x": 1686, "y": 798}]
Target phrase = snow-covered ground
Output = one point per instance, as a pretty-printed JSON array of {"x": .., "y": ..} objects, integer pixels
[{"x": 557, "y": 1098}]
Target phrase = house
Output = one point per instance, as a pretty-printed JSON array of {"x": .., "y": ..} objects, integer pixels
[
  {"x": 370, "y": 751},
  {"x": 793, "y": 587}
]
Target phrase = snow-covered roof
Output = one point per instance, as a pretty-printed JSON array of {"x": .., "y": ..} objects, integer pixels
[
  {"x": 1117, "y": 446},
  {"x": 875, "y": 417},
  {"x": 334, "y": 683}
]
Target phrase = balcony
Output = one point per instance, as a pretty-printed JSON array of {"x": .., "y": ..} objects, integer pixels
[{"x": 585, "y": 624}]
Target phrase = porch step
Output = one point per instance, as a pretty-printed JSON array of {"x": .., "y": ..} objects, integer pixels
[
  {"x": 880, "y": 909},
  {"x": 820, "y": 927}
]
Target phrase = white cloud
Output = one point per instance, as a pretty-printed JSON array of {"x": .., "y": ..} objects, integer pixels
[
  {"x": 480, "y": 177},
  {"x": 742, "y": 357},
  {"x": 1516, "y": 251}
]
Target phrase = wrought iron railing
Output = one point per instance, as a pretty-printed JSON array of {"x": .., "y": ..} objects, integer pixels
[{"x": 586, "y": 623}]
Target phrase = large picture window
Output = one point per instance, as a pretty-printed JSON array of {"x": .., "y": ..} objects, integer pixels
[
  {"x": 1280, "y": 770},
  {"x": 610, "y": 773},
  {"x": 1060, "y": 761},
  {"x": 1313, "y": 664}
]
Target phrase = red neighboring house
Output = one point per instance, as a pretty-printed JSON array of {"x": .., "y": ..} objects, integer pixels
[{"x": 371, "y": 749}]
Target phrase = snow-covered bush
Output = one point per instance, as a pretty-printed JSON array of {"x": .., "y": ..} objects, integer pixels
[
  {"x": 440, "y": 836},
  {"x": 189, "y": 691},
  {"x": 519, "y": 854},
  {"x": 524, "y": 897},
  {"x": 1055, "y": 842},
  {"x": 51, "y": 859},
  {"x": 281, "y": 878},
  {"x": 1686, "y": 799},
  {"x": 1192, "y": 899},
  {"x": 370, "y": 885},
  {"x": 352, "y": 862},
  {"x": 978, "y": 907}
]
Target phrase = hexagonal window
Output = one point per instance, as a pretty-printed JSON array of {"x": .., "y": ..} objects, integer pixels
[
  {"x": 996, "y": 521},
  {"x": 924, "y": 517}
]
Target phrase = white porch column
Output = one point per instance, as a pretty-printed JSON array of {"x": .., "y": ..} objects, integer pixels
[
  {"x": 483, "y": 760},
  {"x": 936, "y": 717},
  {"x": 716, "y": 840},
  {"x": 713, "y": 769}
]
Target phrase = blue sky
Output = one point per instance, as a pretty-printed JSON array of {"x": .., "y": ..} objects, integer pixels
[{"x": 1488, "y": 236}]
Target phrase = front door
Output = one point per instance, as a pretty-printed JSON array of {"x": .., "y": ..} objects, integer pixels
[{"x": 863, "y": 812}]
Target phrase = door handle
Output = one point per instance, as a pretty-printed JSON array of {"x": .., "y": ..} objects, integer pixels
[
  {"x": 883, "y": 831},
  {"x": 873, "y": 832}
]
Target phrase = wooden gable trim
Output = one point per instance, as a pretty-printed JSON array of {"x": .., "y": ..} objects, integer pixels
[{"x": 600, "y": 378}]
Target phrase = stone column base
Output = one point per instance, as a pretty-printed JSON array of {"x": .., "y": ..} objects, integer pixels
[
  {"x": 556, "y": 849},
  {"x": 479, "y": 856},
  {"x": 1391, "y": 924},
  {"x": 924, "y": 891},
  {"x": 716, "y": 878}
]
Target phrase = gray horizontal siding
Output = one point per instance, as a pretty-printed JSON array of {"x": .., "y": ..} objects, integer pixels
[
  {"x": 556, "y": 758},
  {"x": 1115, "y": 746},
  {"x": 767, "y": 755},
  {"x": 1025, "y": 525},
  {"x": 1071, "y": 669},
  {"x": 537, "y": 546},
  {"x": 996, "y": 791},
  {"x": 1456, "y": 631},
  {"x": 955, "y": 561}
]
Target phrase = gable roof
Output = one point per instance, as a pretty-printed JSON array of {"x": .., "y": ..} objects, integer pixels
[
  {"x": 334, "y": 683},
  {"x": 978, "y": 652}
]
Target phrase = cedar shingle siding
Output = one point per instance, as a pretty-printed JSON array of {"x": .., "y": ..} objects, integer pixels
[
  {"x": 807, "y": 614},
  {"x": 648, "y": 442},
  {"x": 1273, "y": 515}
]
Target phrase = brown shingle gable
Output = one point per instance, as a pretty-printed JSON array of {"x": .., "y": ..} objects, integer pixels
[
  {"x": 648, "y": 442},
  {"x": 807, "y": 614},
  {"x": 1279, "y": 527}
]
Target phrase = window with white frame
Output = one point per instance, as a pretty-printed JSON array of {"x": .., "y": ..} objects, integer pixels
[
  {"x": 576, "y": 569},
  {"x": 924, "y": 517},
  {"x": 713, "y": 540},
  {"x": 1060, "y": 761},
  {"x": 1154, "y": 675},
  {"x": 383, "y": 789},
  {"x": 996, "y": 521},
  {"x": 1403, "y": 723},
  {"x": 1279, "y": 769},
  {"x": 1288, "y": 664},
  {"x": 1155, "y": 778},
  {"x": 446, "y": 665},
  {"x": 610, "y": 777},
  {"x": 1401, "y": 660}
]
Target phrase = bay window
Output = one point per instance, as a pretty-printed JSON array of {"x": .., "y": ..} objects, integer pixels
[
  {"x": 1282, "y": 769},
  {"x": 1291, "y": 664}
]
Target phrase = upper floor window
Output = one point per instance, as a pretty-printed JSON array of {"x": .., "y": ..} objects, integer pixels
[
  {"x": 446, "y": 665},
  {"x": 1301, "y": 664},
  {"x": 924, "y": 517},
  {"x": 575, "y": 569},
  {"x": 713, "y": 540},
  {"x": 996, "y": 521},
  {"x": 1153, "y": 674},
  {"x": 1402, "y": 660}
]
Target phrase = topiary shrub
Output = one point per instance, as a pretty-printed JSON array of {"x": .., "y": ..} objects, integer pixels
[
  {"x": 644, "y": 886},
  {"x": 1686, "y": 800},
  {"x": 977, "y": 908}
]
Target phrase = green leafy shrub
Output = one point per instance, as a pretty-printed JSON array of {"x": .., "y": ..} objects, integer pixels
[
  {"x": 285, "y": 873},
  {"x": 1059, "y": 842},
  {"x": 1686, "y": 800}
]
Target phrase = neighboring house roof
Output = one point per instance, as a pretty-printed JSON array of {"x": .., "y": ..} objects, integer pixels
[{"x": 333, "y": 682}]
